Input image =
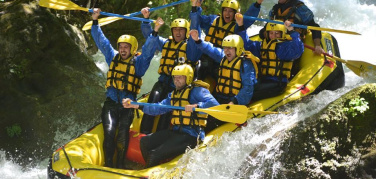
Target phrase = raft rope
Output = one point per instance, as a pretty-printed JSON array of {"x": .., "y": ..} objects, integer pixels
[{"x": 71, "y": 169}]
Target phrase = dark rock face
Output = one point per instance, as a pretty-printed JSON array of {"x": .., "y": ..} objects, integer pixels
[
  {"x": 48, "y": 81},
  {"x": 334, "y": 143},
  {"x": 50, "y": 85}
]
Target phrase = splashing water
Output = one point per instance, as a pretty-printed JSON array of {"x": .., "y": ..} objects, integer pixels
[
  {"x": 254, "y": 145},
  {"x": 252, "y": 149}
]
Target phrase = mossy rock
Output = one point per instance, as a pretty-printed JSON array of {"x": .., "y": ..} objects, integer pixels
[{"x": 333, "y": 143}]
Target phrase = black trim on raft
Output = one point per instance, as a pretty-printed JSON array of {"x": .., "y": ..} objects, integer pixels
[
  {"x": 337, "y": 78},
  {"x": 66, "y": 155}
]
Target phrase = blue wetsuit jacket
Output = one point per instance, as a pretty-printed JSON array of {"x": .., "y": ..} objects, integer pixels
[
  {"x": 286, "y": 51},
  {"x": 193, "y": 54},
  {"x": 248, "y": 75},
  {"x": 198, "y": 95},
  {"x": 304, "y": 16},
  {"x": 205, "y": 21},
  {"x": 141, "y": 65}
]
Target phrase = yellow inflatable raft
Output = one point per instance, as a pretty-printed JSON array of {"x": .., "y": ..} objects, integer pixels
[{"x": 83, "y": 156}]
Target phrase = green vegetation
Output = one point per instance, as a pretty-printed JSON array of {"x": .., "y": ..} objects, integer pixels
[
  {"x": 356, "y": 105},
  {"x": 183, "y": 10},
  {"x": 14, "y": 130},
  {"x": 19, "y": 69}
]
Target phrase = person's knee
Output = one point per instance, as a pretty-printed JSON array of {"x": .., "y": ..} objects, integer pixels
[
  {"x": 152, "y": 160},
  {"x": 155, "y": 94},
  {"x": 144, "y": 148}
]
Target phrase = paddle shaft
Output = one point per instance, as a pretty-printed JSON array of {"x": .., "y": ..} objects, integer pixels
[
  {"x": 301, "y": 26},
  {"x": 224, "y": 112},
  {"x": 68, "y": 5},
  {"x": 182, "y": 108},
  {"x": 123, "y": 16},
  {"x": 358, "y": 67},
  {"x": 159, "y": 7},
  {"x": 205, "y": 110},
  {"x": 159, "y": 105},
  {"x": 108, "y": 20},
  {"x": 273, "y": 21},
  {"x": 327, "y": 54}
]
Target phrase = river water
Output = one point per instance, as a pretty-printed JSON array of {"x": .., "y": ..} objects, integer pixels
[{"x": 224, "y": 160}]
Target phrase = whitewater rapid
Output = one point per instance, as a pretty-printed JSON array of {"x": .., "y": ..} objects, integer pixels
[{"x": 223, "y": 161}]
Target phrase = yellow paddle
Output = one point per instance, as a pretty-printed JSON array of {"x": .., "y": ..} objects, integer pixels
[
  {"x": 223, "y": 112},
  {"x": 303, "y": 26},
  {"x": 108, "y": 20},
  {"x": 68, "y": 5},
  {"x": 360, "y": 68}
]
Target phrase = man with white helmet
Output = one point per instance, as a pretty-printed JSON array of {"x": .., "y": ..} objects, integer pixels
[
  {"x": 187, "y": 126},
  {"x": 178, "y": 49},
  {"x": 126, "y": 68}
]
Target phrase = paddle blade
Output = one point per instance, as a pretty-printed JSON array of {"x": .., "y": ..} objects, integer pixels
[
  {"x": 332, "y": 30},
  {"x": 361, "y": 68},
  {"x": 227, "y": 113},
  {"x": 61, "y": 5},
  {"x": 101, "y": 22}
]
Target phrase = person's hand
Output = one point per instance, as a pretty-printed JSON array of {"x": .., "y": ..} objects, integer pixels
[
  {"x": 239, "y": 19},
  {"x": 318, "y": 50},
  {"x": 127, "y": 104},
  {"x": 96, "y": 13},
  {"x": 317, "y": 44},
  {"x": 197, "y": 2},
  {"x": 189, "y": 107},
  {"x": 288, "y": 25},
  {"x": 194, "y": 35},
  {"x": 231, "y": 103},
  {"x": 158, "y": 23},
  {"x": 145, "y": 11}
]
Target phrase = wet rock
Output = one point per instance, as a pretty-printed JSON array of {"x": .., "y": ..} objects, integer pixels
[
  {"x": 51, "y": 89},
  {"x": 48, "y": 81},
  {"x": 338, "y": 142}
]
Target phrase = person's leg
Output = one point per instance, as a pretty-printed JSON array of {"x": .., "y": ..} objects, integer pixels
[
  {"x": 151, "y": 141},
  {"x": 125, "y": 121},
  {"x": 203, "y": 71},
  {"x": 165, "y": 119},
  {"x": 196, "y": 70},
  {"x": 154, "y": 97},
  {"x": 212, "y": 122},
  {"x": 268, "y": 89},
  {"x": 109, "y": 122},
  {"x": 176, "y": 144}
]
